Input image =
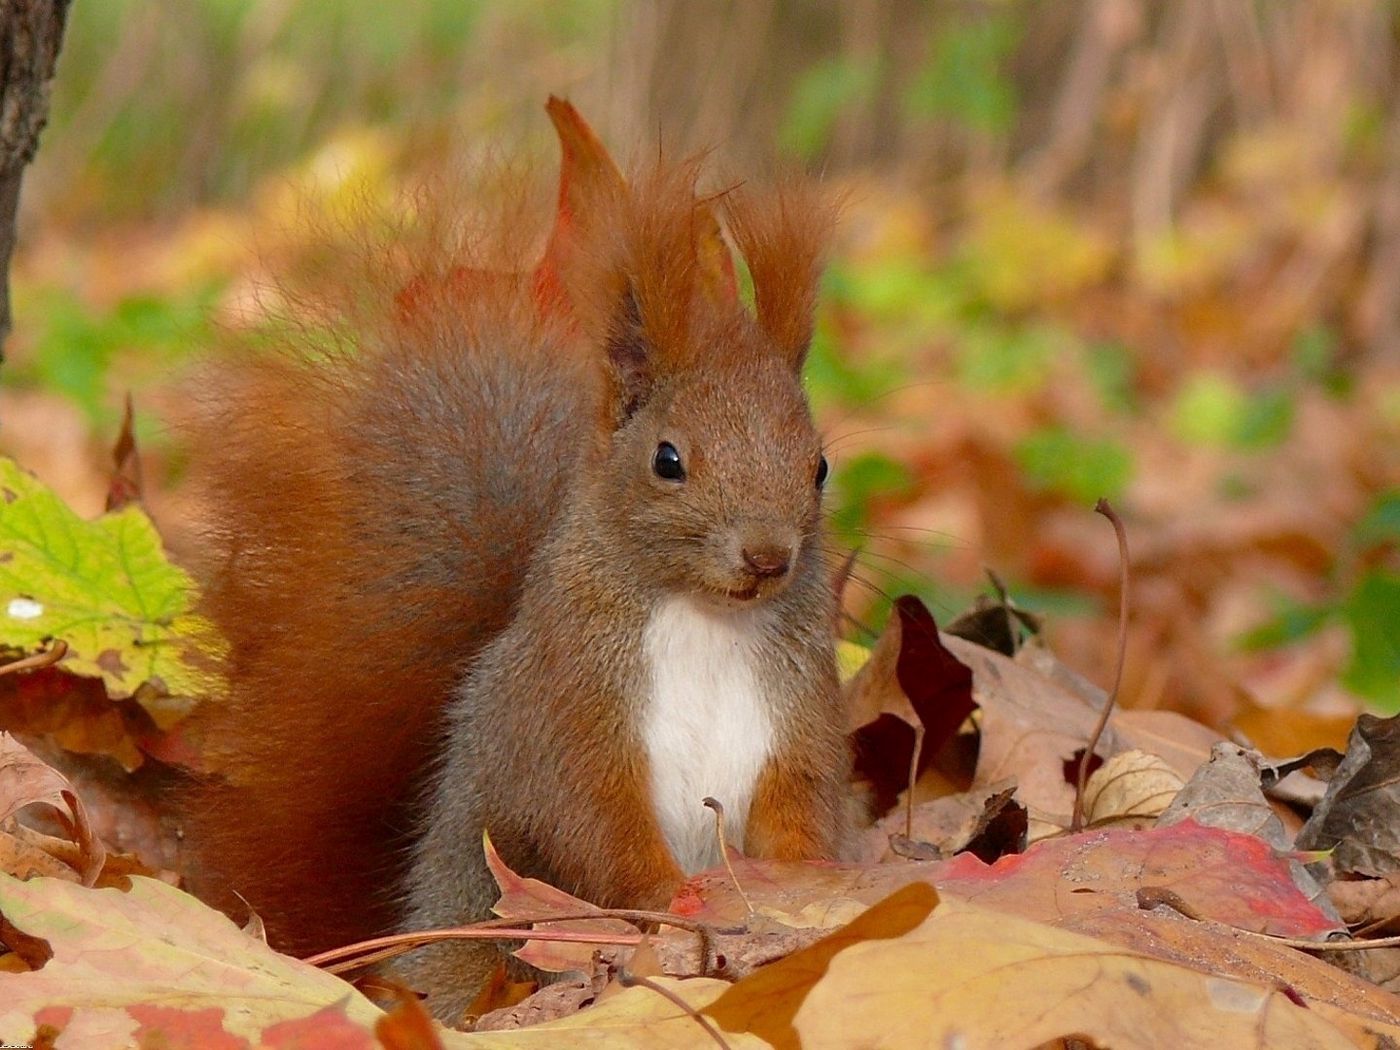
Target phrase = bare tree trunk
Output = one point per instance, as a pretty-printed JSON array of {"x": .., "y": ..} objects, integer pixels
[{"x": 30, "y": 34}]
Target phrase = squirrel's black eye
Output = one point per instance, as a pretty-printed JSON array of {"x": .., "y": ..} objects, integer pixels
[
  {"x": 822, "y": 471},
  {"x": 667, "y": 462}
]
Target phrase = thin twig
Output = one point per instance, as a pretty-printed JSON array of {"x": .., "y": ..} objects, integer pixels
[
  {"x": 1325, "y": 946},
  {"x": 1105, "y": 508},
  {"x": 628, "y": 980},
  {"x": 361, "y": 953},
  {"x": 913, "y": 777},
  {"x": 1170, "y": 900},
  {"x": 714, "y": 804},
  {"x": 407, "y": 942},
  {"x": 51, "y": 655}
]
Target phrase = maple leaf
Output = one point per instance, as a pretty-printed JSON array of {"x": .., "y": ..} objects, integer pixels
[{"x": 107, "y": 589}]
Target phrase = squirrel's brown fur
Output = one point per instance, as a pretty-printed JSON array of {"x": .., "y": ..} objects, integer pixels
[{"x": 467, "y": 490}]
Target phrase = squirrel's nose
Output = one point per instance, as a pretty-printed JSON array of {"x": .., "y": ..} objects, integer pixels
[{"x": 767, "y": 559}]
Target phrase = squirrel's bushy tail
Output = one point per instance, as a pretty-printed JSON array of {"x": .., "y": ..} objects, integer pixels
[{"x": 372, "y": 511}]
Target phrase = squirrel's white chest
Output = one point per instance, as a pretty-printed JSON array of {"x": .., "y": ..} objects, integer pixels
[{"x": 707, "y": 728}]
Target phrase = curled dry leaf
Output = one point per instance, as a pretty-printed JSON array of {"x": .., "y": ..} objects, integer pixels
[
  {"x": 125, "y": 485},
  {"x": 910, "y": 679},
  {"x": 1225, "y": 793},
  {"x": 1368, "y": 902},
  {"x": 24, "y": 781},
  {"x": 1131, "y": 789},
  {"x": 1356, "y": 817},
  {"x": 1030, "y": 727},
  {"x": 938, "y": 822},
  {"x": 526, "y": 899},
  {"x": 1037, "y": 717}
]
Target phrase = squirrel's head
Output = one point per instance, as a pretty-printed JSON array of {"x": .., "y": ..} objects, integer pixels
[{"x": 709, "y": 466}]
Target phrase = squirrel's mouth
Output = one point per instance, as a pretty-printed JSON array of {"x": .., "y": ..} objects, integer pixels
[{"x": 755, "y": 590}]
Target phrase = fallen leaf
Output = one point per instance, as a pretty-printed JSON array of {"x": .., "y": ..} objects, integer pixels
[
  {"x": 1368, "y": 902},
  {"x": 1181, "y": 742},
  {"x": 1288, "y": 731},
  {"x": 107, "y": 589},
  {"x": 765, "y": 1003},
  {"x": 1030, "y": 727},
  {"x": 909, "y": 679},
  {"x": 1131, "y": 788},
  {"x": 531, "y": 899},
  {"x": 942, "y": 823},
  {"x": 1225, "y": 793},
  {"x": 637, "y": 1017},
  {"x": 1356, "y": 817},
  {"x": 407, "y": 1026},
  {"x": 25, "y": 780},
  {"x": 125, "y": 486},
  {"x": 154, "y": 959},
  {"x": 562, "y": 998},
  {"x": 914, "y": 972}
]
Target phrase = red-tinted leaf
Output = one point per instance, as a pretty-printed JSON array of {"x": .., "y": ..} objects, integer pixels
[
  {"x": 125, "y": 486},
  {"x": 937, "y": 683}
]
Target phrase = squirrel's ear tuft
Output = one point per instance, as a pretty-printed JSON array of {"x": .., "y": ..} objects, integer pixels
[
  {"x": 628, "y": 359},
  {"x": 783, "y": 233},
  {"x": 636, "y": 277}
]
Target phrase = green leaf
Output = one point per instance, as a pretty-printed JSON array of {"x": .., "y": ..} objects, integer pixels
[
  {"x": 1112, "y": 369},
  {"x": 963, "y": 79},
  {"x": 1267, "y": 420},
  {"x": 996, "y": 358},
  {"x": 1214, "y": 409},
  {"x": 1058, "y": 460},
  {"x": 76, "y": 345},
  {"x": 860, "y": 482},
  {"x": 106, "y": 588},
  {"x": 1208, "y": 408},
  {"x": 1292, "y": 623},
  {"x": 1372, "y": 610},
  {"x": 1381, "y": 525},
  {"x": 821, "y": 95}
]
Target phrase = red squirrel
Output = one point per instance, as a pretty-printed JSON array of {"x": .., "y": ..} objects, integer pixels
[{"x": 538, "y": 555}]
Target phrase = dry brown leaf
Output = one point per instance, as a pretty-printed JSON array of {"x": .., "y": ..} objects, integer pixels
[
  {"x": 1367, "y": 902},
  {"x": 946, "y": 823},
  {"x": 527, "y": 899},
  {"x": 1356, "y": 817},
  {"x": 563, "y": 998},
  {"x": 1182, "y": 742},
  {"x": 1280, "y": 731},
  {"x": 638, "y": 1017},
  {"x": 1215, "y": 948},
  {"x": 767, "y": 1002},
  {"x": 972, "y": 977},
  {"x": 912, "y": 972},
  {"x": 1225, "y": 793},
  {"x": 1030, "y": 728},
  {"x": 1131, "y": 789},
  {"x": 25, "y": 780}
]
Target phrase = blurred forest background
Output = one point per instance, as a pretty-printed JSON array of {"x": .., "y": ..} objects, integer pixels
[{"x": 1126, "y": 248}]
